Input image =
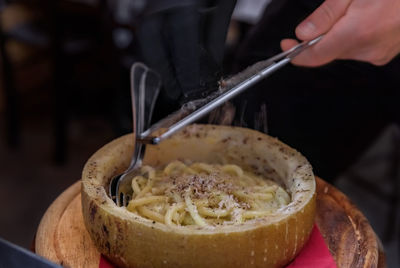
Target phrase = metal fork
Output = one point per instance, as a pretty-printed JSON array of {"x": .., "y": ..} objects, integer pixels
[{"x": 145, "y": 86}]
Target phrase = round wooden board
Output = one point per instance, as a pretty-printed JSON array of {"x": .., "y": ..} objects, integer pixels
[{"x": 62, "y": 238}]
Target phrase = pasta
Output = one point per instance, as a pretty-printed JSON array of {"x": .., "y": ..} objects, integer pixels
[{"x": 203, "y": 194}]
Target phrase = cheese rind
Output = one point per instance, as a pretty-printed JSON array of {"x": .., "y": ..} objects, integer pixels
[{"x": 132, "y": 241}]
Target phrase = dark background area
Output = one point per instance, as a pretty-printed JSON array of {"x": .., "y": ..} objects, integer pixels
[{"x": 64, "y": 93}]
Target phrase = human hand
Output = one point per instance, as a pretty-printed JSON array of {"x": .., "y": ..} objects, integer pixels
[{"x": 363, "y": 30}]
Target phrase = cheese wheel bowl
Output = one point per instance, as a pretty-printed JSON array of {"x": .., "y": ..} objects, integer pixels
[{"x": 129, "y": 240}]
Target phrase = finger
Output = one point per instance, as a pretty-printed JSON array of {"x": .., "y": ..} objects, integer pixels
[
  {"x": 322, "y": 19},
  {"x": 287, "y": 44},
  {"x": 307, "y": 58},
  {"x": 330, "y": 47}
]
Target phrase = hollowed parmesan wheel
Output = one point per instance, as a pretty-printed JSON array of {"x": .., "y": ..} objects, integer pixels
[{"x": 132, "y": 241}]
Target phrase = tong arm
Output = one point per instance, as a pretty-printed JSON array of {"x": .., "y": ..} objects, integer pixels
[{"x": 229, "y": 88}]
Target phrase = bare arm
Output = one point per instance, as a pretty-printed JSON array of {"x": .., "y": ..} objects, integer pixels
[{"x": 363, "y": 30}]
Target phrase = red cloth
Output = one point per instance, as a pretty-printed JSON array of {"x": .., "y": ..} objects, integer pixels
[
  {"x": 104, "y": 263},
  {"x": 314, "y": 254}
]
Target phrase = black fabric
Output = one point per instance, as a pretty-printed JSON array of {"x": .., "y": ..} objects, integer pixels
[
  {"x": 155, "y": 6},
  {"x": 185, "y": 45},
  {"x": 330, "y": 113}
]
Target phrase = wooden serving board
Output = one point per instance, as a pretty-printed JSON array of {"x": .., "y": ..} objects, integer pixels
[{"x": 63, "y": 239}]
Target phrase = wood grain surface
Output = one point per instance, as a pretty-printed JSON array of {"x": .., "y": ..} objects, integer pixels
[{"x": 62, "y": 238}]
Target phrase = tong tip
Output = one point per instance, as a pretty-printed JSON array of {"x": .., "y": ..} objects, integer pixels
[{"x": 149, "y": 140}]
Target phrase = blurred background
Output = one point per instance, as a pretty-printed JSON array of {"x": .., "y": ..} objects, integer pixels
[{"x": 64, "y": 92}]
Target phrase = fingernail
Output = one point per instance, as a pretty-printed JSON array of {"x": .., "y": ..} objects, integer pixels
[{"x": 305, "y": 29}]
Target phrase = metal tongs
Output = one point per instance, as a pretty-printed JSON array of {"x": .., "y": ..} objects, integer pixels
[
  {"x": 146, "y": 82},
  {"x": 228, "y": 88}
]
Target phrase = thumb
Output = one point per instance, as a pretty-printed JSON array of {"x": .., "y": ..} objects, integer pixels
[{"x": 322, "y": 19}]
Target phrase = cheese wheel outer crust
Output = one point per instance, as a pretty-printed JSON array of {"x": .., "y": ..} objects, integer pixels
[{"x": 129, "y": 240}]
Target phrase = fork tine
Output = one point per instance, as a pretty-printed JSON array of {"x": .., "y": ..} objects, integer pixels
[
  {"x": 126, "y": 198},
  {"x": 119, "y": 199},
  {"x": 123, "y": 200},
  {"x": 112, "y": 188}
]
